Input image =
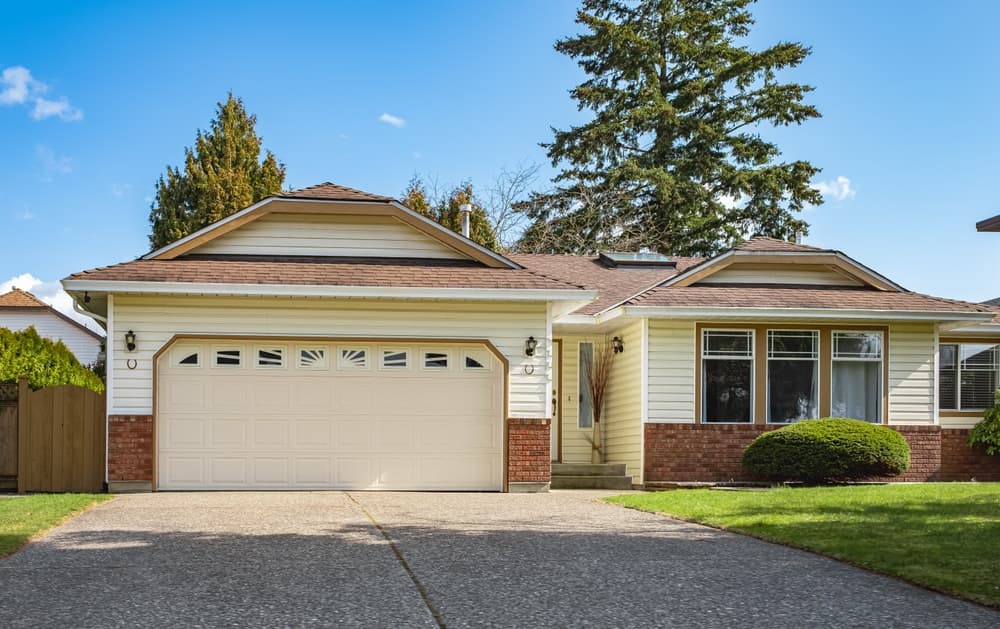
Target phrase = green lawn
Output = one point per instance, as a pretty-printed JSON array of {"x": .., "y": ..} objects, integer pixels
[
  {"x": 944, "y": 536},
  {"x": 23, "y": 517}
]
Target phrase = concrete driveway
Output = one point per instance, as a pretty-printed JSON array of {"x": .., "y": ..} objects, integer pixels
[{"x": 426, "y": 560}]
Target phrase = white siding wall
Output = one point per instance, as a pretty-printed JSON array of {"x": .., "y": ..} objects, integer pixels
[
  {"x": 742, "y": 275},
  {"x": 623, "y": 407},
  {"x": 671, "y": 371},
  {"x": 912, "y": 378},
  {"x": 318, "y": 235},
  {"x": 84, "y": 346},
  {"x": 156, "y": 319}
]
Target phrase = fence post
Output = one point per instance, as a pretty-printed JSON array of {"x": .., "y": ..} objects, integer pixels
[{"x": 23, "y": 391}]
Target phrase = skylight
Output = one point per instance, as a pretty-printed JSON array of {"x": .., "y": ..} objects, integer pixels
[{"x": 636, "y": 259}]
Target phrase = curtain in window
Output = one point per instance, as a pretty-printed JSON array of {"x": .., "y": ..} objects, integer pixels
[{"x": 857, "y": 390}]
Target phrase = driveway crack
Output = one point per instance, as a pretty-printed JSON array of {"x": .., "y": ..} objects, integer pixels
[{"x": 421, "y": 590}]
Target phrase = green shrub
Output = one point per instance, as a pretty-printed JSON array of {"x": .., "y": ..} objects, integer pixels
[
  {"x": 46, "y": 363},
  {"x": 987, "y": 432},
  {"x": 827, "y": 450}
]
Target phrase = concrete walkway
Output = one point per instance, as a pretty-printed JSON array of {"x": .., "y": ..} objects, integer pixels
[{"x": 426, "y": 560}]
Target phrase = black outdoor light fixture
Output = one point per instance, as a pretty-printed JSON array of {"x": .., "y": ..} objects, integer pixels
[
  {"x": 130, "y": 341},
  {"x": 618, "y": 345},
  {"x": 529, "y": 346}
]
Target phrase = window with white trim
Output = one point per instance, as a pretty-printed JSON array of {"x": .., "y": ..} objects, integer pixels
[
  {"x": 270, "y": 357},
  {"x": 352, "y": 358},
  {"x": 395, "y": 359},
  {"x": 228, "y": 358},
  {"x": 187, "y": 358},
  {"x": 856, "y": 378},
  {"x": 792, "y": 375},
  {"x": 727, "y": 376},
  {"x": 968, "y": 375},
  {"x": 312, "y": 358},
  {"x": 435, "y": 360},
  {"x": 585, "y": 411}
]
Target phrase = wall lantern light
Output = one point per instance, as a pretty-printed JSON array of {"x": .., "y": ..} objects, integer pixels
[
  {"x": 130, "y": 341},
  {"x": 529, "y": 346},
  {"x": 618, "y": 345}
]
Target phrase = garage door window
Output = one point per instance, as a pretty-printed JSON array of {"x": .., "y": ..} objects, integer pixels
[
  {"x": 435, "y": 360},
  {"x": 395, "y": 359},
  {"x": 186, "y": 357},
  {"x": 228, "y": 358},
  {"x": 475, "y": 360},
  {"x": 270, "y": 357},
  {"x": 312, "y": 358},
  {"x": 353, "y": 358}
]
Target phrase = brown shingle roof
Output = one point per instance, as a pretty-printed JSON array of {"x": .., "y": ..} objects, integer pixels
[
  {"x": 771, "y": 296},
  {"x": 18, "y": 298},
  {"x": 615, "y": 285},
  {"x": 332, "y": 192},
  {"x": 324, "y": 271},
  {"x": 764, "y": 243}
]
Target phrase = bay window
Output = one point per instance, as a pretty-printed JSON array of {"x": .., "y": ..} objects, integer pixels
[
  {"x": 968, "y": 375},
  {"x": 727, "y": 376},
  {"x": 856, "y": 390},
  {"x": 792, "y": 375}
]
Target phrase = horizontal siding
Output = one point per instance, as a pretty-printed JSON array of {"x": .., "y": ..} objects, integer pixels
[
  {"x": 156, "y": 319},
  {"x": 623, "y": 407},
  {"x": 84, "y": 346},
  {"x": 911, "y": 373},
  {"x": 741, "y": 275},
  {"x": 671, "y": 371},
  {"x": 317, "y": 235}
]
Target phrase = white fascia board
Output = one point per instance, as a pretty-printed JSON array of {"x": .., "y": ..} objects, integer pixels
[
  {"x": 292, "y": 290},
  {"x": 804, "y": 313},
  {"x": 987, "y": 329}
]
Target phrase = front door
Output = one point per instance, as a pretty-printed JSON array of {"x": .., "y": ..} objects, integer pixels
[{"x": 556, "y": 426}]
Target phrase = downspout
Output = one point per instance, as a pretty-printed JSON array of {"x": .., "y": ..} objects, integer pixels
[{"x": 78, "y": 308}]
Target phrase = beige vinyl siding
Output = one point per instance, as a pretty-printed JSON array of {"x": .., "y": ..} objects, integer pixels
[
  {"x": 671, "y": 371},
  {"x": 912, "y": 378},
  {"x": 745, "y": 274},
  {"x": 623, "y": 407},
  {"x": 84, "y": 346},
  {"x": 575, "y": 447},
  {"x": 156, "y": 319},
  {"x": 328, "y": 235}
]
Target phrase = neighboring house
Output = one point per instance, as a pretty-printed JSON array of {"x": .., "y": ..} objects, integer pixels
[
  {"x": 331, "y": 338},
  {"x": 989, "y": 224},
  {"x": 20, "y": 309}
]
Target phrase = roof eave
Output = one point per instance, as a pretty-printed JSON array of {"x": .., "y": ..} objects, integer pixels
[{"x": 806, "y": 313}]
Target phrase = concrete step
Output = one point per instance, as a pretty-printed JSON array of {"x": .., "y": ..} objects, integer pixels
[
  {"x": 592, "y": 482},
  {"x": 588, "y": 469}
]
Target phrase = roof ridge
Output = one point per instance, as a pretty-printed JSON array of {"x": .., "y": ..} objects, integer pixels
[
  {"x": 16, "y": 294},
  {"x": 553, "y": 278}
]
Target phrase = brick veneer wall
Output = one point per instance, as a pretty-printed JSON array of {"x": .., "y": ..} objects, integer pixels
[
  {"x": 529, "y": 451},
  {"x": 712, "y": 453},
  {"x": 130, "y": 447}
]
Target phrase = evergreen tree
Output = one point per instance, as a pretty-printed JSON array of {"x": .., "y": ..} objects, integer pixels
[
  {"x": 222, "y": 174},
  {"x": 673, "y": 159},
  {"x": 415, "y": 198},
  {"x": 447, "y": 211}
]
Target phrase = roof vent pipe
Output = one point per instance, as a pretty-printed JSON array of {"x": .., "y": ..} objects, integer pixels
[{"x": 466, "y": 209}]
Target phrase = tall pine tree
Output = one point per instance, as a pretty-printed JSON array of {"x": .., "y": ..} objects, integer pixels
[
  {"x": 222, "y": 174},
  {"x": 673, "y": 159},
  {"x": 447, "y": 210}
]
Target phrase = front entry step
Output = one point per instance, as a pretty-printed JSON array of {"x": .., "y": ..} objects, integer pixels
[{"x": 590, "y": 476}]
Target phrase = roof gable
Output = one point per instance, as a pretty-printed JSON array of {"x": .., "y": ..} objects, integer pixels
[
  {"x": 18, "y": 298},
  {"x": 331, "y": 200}
]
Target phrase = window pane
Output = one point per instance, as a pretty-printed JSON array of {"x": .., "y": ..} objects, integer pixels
[
  {"x": 585, "y": 418},
  {"x": 793, "y": 393},
  {"x": 979, "y": 357},
  {"x": 728, "y": 386},
  {"x": 857, "y": 390},
  {"x": 792, "y": 344},
  {"x": 857, "y": 345},
  {"x": 948, "y": 377},
  {"x": 725, "y": 343},
  {"x": 978, "y": 388}
]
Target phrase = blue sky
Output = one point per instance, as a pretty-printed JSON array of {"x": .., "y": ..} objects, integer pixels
[{"x": 907, "y": 143}]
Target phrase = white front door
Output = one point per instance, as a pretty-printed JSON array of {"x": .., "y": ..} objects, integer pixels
[
  {"x": 272, "y": 414},
  {"x": 556, "y": 424}
]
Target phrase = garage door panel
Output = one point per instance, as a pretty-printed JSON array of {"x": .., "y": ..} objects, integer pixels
[{"x": 330, "y": 425}]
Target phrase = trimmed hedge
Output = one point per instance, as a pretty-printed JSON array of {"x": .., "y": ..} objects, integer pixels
[
  {"x": 827, "y": 450},
  {"x": 46, "y": 363}
]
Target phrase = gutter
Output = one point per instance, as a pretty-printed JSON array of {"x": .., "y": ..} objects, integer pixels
[{"x": 807, "y": 313}]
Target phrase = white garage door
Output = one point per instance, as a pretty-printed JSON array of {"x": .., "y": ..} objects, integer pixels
[{"x": 334, "y": 415}]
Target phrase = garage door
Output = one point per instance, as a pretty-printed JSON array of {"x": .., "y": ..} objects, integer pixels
[{"x": 302, "y": 415}]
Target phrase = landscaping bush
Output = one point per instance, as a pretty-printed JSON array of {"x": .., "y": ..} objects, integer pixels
[
  {"x": 827, "y": 450},
  {"x": 46, "y": 363},
  {"x": 987, "y": 432}
]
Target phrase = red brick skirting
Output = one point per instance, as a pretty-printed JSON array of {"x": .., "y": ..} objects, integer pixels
[
  {"x": 529, "y": 453},
  {"x": 130, "y": 447},
  {"x": 712, "y": 453}
]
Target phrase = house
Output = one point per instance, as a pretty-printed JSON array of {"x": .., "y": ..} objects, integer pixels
[
  {"x": 332, "y": 338},
  {"x": 20, "y": 309},
  {"x": 989, "y": 224}
]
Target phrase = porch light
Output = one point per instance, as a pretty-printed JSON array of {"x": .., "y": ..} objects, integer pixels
[
  {"x": 618, "y": 345},
  {"x": 529, "y": 346},
  {"x": 130, "y": 341}
]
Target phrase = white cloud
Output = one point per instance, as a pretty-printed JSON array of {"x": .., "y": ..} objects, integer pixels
[
  {"x": 18, "y": 87},
  {"x": 839, "y": 189},
  {"x": 395, "y": 121},
  {"x": 52, "y": 163},
  {"x": 120, "y": 189},
  {"x": 51, "y": 293},
  {"x": 417, "y": 155},
  {"x": 26, "y": 215}
]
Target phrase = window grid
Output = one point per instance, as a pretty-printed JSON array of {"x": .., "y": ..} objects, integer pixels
[
  {"x": 741, "y": 349},
  {"x": 803, "y": 347}
]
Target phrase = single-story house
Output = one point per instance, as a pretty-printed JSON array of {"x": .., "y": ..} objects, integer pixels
[
  {"x": 332, "y": 338},
  {"x": 20, "y": 309}
]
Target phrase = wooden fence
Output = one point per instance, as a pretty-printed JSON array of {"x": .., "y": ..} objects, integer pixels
[
  {"x": 8, "y": 436},
  {"x": 59, "y": 439}
]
